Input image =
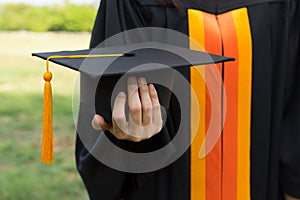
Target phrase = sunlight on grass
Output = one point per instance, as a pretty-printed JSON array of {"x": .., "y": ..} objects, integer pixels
[
  {"x": 20, "y": 71},
  {"x": 22, "y": 177}
]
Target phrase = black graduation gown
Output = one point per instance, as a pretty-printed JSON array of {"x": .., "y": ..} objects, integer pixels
[{"x": 275, "y": 108}]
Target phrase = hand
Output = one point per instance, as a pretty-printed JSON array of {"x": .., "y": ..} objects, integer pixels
[
  {"x": 288, "y": 197},
  {"x": 144, "y": 114}
]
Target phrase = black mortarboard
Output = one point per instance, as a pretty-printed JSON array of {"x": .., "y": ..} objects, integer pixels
[
  {"x": 121, "y": 59},
  {"x": 111, "y": 63}
]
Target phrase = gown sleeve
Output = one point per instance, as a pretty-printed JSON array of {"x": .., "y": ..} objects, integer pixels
[
  {"x": 101, "y": 181},
  {"x": 290, "y": 140},
  {"x": 114, "y": 16}
]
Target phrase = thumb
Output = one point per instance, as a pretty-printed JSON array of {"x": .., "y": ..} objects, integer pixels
[{"x": 98, "y": 123}]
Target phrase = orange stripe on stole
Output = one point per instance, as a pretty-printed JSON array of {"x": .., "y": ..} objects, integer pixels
[
  {"x": 236, "y": 37},
  {"x": 213, "y": 44},
  {"x": 229, "y": 146},
  {"x": 205, "y": 172}
]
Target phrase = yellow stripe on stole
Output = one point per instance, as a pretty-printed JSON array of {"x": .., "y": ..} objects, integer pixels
[
  {"x": 198, "y": 166},
  {"x": 241, "y": 21}
]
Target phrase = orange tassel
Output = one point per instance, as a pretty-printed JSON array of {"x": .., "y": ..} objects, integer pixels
[{"x": 47, "y": 140}]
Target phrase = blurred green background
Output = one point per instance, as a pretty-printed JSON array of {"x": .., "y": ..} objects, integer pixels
[
  {"x": 22, "y": 176},
  {"x": 68, "y": 17}
]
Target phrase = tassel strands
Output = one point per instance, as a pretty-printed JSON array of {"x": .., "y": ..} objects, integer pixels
[{"x": 47, "y": 155}]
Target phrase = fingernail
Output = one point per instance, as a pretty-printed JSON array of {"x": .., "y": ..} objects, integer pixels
[
  {"x": 95, "y": 123},
  {"x": 142, "y": 81},
  {"x": 151, "y": 86},
  {"x": 122, "y": 94},
  {"x": 132, "y": 80}
]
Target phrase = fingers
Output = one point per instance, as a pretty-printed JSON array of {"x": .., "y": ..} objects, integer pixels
[
  {"x": 134, "y": 107},
  {"x": 145, "y": 101},
  {"x": 120, "y": 125},
  {"x": 98, "y": 123},
  {"x": 144, "y": 119},
  {"x": 118, "y": 114},
  {"x": 156, "y": 115}
]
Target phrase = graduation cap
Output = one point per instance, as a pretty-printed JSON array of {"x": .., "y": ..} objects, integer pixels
[{"x": 111, "y": 63}]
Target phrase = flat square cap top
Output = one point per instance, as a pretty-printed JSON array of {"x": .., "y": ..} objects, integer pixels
[{"x": 122, "y": 59}]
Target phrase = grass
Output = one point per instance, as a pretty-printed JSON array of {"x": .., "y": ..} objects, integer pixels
[
  {"x": 22, "y": 177},
  {"x": 63, "y": 17}
]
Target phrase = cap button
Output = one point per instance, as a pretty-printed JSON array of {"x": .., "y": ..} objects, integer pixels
[{"x": 47, "y": 76}]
